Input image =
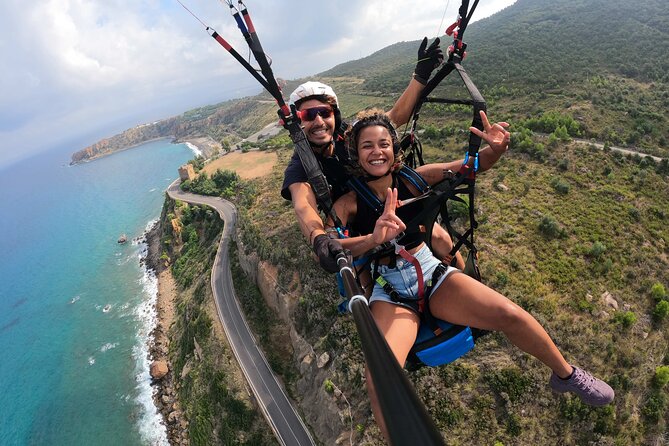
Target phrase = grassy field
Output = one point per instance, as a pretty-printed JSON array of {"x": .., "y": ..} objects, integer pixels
[{"x": 247, "y": 165}]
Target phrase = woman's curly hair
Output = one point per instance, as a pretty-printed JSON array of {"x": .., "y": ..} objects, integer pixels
[{"x": 364, "y": 119}]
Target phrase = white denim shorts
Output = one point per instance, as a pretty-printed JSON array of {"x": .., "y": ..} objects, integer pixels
[{"x": 404, "y": 278}]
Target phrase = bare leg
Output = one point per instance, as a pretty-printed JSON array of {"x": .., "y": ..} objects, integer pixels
[
  {"x": 399, "y": 326},
  {"x": 465, "y": 301},
  {"x": 442, "y": 245}
]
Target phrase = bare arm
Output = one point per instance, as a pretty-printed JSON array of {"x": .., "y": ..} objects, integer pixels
[
  {"x": 401, "y": 111},
  {"x": 495, "y": 135},
  {"x": 429, "y": 58},
  {"x": 306, "y": 210},
  {"x": 346, "y": 208}
]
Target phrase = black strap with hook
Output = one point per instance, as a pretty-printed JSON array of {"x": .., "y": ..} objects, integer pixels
[
  {"x": 413, "y": 149},
  {"x": 288, "y": 116}
]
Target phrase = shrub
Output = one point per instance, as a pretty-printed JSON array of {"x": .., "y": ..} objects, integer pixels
[
  {"x": 560, "y": 186},
  {"x": 501, "y": 279},
  {"x": 606, "y": 420},
  {"x": 661, "y": 310},
  {"x": 597, "y": 249},
  {"x": 550, "y": 228},
  {"x": 510, "y": 381},
  {"x": 328, "y": 385},
  {"x": 654, "y": 408},
  {"x": 602, "y": 267},
  {"x": 513, "y": 426},
  {"x": 625, "y": 318},
  {"x": 661, "y": 376},
  {"x": 635, "y": 214},
  {"x": 657, "y": 291}
]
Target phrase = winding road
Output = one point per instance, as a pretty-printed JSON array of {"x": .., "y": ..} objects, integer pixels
[{"x": 275, "y": 405}]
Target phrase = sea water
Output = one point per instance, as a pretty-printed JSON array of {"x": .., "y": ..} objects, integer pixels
[{"x": 76, "y": 307}]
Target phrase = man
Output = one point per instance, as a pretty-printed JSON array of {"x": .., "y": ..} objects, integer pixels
[{"x": 321, "y": 122}]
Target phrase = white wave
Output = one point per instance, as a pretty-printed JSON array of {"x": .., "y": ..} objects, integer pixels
[
  {"x": 196, "y": 151},
  {"x": 153, "y": 189},
  {"x": 123, "y": 261},
  {"x": 91, "y": 360},
  {"x": 150, "y": 422},
  {"x": 108, "y": 346},
  {"x": 75, "y": 298}
]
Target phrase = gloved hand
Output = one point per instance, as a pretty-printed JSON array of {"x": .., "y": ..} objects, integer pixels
[
  {"x": 326, "y": 249},
  {"x": 428, "y": 60}
]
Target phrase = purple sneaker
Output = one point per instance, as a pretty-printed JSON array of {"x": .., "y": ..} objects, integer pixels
[{"x": 591, "y": 390}]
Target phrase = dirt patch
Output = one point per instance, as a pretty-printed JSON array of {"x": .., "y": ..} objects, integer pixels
[{"x": 247, "y": 165}]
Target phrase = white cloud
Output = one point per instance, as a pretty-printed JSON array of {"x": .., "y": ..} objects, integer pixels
[{"x": 80, "y": 69}]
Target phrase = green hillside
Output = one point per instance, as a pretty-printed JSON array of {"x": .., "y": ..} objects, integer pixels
[
  {"x": 604, "y": 62},
  {"x": 556, "y": 238}
]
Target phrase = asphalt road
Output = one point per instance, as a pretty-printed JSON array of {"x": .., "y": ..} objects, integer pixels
[{"x": 275, "y": 405}]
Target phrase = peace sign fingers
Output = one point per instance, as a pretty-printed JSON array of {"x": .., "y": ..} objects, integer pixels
[{"x": 388, "y": 225}]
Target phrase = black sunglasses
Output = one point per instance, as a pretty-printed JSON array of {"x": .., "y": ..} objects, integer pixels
[{"x": 310, "y": 114}]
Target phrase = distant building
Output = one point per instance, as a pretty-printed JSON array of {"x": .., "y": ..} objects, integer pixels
[{"x": 186, "y": 172}]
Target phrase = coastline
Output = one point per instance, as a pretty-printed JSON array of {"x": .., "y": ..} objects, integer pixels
[
  {"x": 111, "y": 152},
  {"x": 203, "y": 146},
  {"x": 164, "y": 397}
]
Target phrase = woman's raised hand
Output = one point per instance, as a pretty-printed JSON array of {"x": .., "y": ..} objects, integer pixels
[
  {"x": 389, "y": 225},
  {"x": 495, "y": 135}
]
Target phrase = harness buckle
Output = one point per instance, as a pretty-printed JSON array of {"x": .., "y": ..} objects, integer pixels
[{"x": 398, "y": 248}]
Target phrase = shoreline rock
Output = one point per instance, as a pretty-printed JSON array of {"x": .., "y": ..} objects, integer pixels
[{"x": 165, "y": 398}]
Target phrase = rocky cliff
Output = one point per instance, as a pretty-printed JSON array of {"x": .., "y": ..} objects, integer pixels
[
  {"x": 325, "y": 409},
  {"x": 129, "y": 138}
]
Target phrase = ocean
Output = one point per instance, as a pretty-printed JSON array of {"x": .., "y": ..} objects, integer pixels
[{"x": 76, "y": 307}]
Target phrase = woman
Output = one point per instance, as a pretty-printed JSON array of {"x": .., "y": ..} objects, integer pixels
[{"x": 455, "y": 297}]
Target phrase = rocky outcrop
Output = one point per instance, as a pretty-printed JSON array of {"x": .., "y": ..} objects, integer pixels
[
  {"x": 158, "y": 369},
  {"x": 132, "y": 137},
  {"x": 165, "y": 397}
]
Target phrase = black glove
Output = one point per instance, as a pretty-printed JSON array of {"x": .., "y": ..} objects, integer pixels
[
  {"x": 327, "y": 249},
  {"x": 428, "y": 60}
]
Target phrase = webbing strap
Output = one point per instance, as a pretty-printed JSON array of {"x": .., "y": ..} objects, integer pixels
[
  {"x": 399, "y": 249},
  {"x": 414, "y": 178},
  {"x": 315, "y": 175},
  {"x": 364, "y": 192}
]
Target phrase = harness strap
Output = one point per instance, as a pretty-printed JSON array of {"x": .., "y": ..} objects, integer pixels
[
  {"x": 414, "y": 178},
  {"x": 388, "y": 288},
  {"x": 418, "y": 305},
  {"x": 372, "y": 201},
  {"x": 426, "y": 316},
  {"x": 364, "y": 192},
  {"x": 399, "y": 249}
]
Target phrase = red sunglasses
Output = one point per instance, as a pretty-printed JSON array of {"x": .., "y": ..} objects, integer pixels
[{"x": 310, "y": 114}]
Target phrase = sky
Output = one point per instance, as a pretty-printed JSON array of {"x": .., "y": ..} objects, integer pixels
[{"x": 76, "y": 71}]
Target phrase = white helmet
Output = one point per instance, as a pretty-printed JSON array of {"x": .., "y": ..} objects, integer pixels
[{"x": 309, "y": 89}]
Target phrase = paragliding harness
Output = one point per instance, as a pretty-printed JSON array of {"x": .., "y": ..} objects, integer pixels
[{"x": 438, "y": 342}]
